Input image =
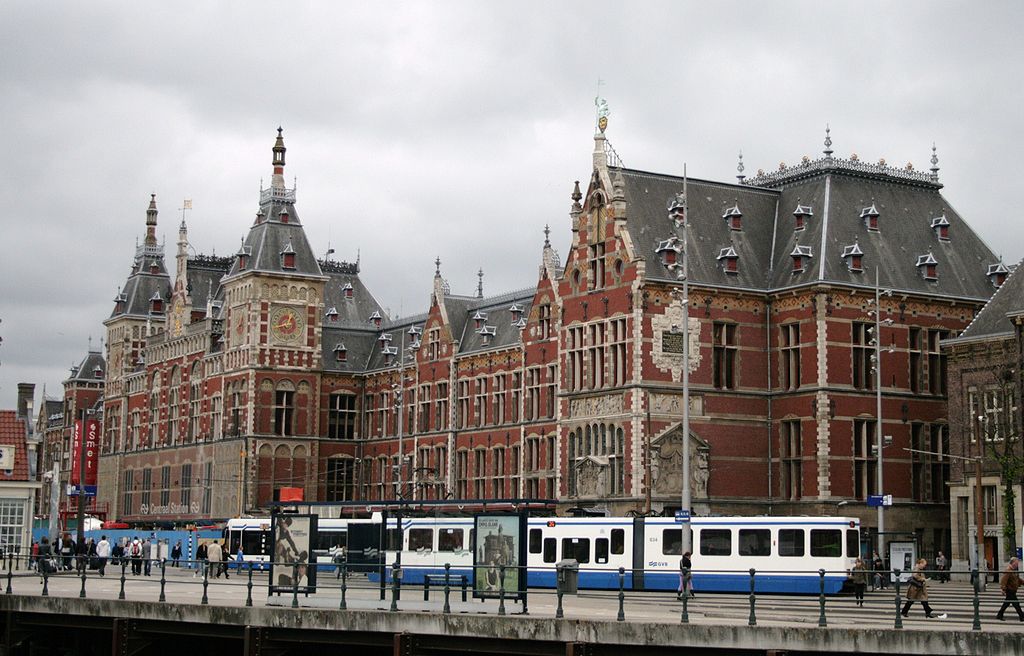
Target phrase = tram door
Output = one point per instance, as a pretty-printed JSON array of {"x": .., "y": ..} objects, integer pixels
[{"x": 639, "y": 550}]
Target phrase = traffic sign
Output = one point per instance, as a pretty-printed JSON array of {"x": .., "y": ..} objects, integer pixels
[{"x": 682, "y": 516}]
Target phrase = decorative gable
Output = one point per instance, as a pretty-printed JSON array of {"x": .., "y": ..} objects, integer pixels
[
  {"x": 734, "y": 217},
  {"x": 728, "y": 260},
  {"x": 853, "y": 257},
  {"x": 927, "y": 265},
  {"x": 801, "y": 256},
  {"x": 801, "y": 215},
  {"x": 940, "y": 225},
  {"x": 869, "y": 215},
  {"x": 997, "y": 274}
]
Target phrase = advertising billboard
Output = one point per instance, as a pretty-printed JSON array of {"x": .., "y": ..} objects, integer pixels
[
  {"x": 293, "y": 565},
  {"x": 92, "y": 455},
  {"x": 498, "y": 540}
]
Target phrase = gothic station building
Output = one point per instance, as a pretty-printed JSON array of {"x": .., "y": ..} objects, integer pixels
[{"x": 272, "y": 369}]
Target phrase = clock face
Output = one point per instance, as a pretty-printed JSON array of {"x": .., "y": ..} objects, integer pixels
[{"x": 286, "y": 324}]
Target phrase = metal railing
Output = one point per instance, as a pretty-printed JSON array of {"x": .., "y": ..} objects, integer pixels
[{"x": 392, "y": 578}]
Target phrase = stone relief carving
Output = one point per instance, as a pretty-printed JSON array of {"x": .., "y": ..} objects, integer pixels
[
  {"x": 597, "y": 406},
  {"x": 667, "y": 466},
  {"x": 592, "y": 476},
  {"x": 673, "y": 362},
  {"x": 672, "y": 404}
]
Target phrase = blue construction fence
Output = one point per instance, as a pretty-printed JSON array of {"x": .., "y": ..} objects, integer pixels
[{"x": 190, "y": 540}]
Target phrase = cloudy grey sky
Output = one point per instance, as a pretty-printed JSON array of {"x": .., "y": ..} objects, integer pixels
[{"x": 451, "y": 129}]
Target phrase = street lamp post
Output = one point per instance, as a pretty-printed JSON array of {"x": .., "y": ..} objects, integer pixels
[
  {"x": 879, "y": 439},
  {"x": 979, "y": 508},
  {"x": 675, "y": 258}
]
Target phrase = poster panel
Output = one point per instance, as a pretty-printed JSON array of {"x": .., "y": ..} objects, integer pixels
[
  {"x": 92, "y": 453},
  {"x": 294, "y": 537},
  {"x": 902, "y": 556},
  {"x": 498, "y": 541}
]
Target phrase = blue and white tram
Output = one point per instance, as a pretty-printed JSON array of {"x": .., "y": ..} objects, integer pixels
[
  {"x": 787, "y": 551},
  {"x": 255, "y": 538}
]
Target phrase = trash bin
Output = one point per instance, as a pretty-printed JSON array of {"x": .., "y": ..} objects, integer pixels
[{"x": 567, "y": 575}]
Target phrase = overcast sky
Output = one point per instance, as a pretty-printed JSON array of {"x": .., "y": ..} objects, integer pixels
[{"x": 451, "y": 129}]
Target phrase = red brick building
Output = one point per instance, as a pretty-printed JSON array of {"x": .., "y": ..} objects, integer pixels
[{"x": 273, "y": 369}]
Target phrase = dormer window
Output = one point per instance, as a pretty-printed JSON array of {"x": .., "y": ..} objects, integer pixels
[
  {"x": 414, "y": 333},
  {"x": 869, "y": 215},
  {"x": 384, "y": 339},
  {"x": 347, "y": 290},
  {"x": 97, "y": 373},
  {"x": 243, "y": 257},
  {"x": 389, "y": 352},
  {"x": 478, "y": 319},
  {"x": 283, "y": 216},
  {"x": 801, "y": 257},
  {"x": 927, "y": 265},
  {"x": 669, "y": 251},
  {"x": 260, "y": 217},
  {"x": 521, "y": 323},
  {"x": 997, "y": 274},
  {"x": 487, "y": 332},
  {"x": 853, "y": 257},
  {"x": 801, "y": 215},
  {"x": 375, "y": 318},
  {"x": 734, "y": 217},
  {"x": 340, "y": 352},
  {"x": 940, "y": 225},
  {"x": 728, "y": 259},
  {"x": 154, "y": 268},
  {"x": 516, "y": 311},
  {"x": 156, "y": 304},
  {"x": 119, "y": 302},
  {"x": 332, "y": 315},
  {"x": 288, "y": 256}
]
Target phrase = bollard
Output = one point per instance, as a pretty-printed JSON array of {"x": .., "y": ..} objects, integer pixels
[
  {"x": 501, "y": 590},
  {"x": 447, "y": 589},
  {"x": 163, "y": 578},
  {"x": 396, "y": 573},
  {"x": 821, "y": 598},
  {"x": 124, "y": 566},
  {"x": 10, "y": 574},
  {"x": 685, "y": 619},
  {"x": 206, "y": 584},
  {"x": 295, "y": 585},
  {"x": 558, "y": 611},
  {"x": 248, "y": 585},
  {"x": 46, "y": 583},
  {"x": 752, "y": 620},
  {"x": 976, "y": 625},
  {"x": 898, "y": 624},
  {"x": 81, "y": 593},
  {"x": 621, "y": 617},
  {"x": 343, "y": 604}
]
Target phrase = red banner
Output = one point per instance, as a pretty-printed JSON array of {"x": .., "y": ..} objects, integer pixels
[{"x": 92, "y": 451}]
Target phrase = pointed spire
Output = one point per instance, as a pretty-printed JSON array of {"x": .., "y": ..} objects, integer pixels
[
  {"x": 828, "y": 142},
  {"x": 547, "y": 236},
  {"x": 480, "y": 283},
  {"x": 935, "y": 164},
  {"x": 437, "y": 267},
  {"x": 279, "y": 150},
  {"x": 151, "y": 221},
  {"x": 576, "y": 196},
  {"x": 740, "y": 168}
]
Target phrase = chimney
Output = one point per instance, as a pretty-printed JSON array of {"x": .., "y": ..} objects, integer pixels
[{"x": 26, "y": 392}]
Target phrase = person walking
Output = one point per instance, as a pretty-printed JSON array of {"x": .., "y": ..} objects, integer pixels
[
  {"x": 34, "y": 558},
  {"x": 102, "y": 553},
  {"x": 1009, "y": 582},
  {"x": 917, "y": 590},
  {"x": 46, "y": 564},
  {"x": 942, "y": 565},
  {"x": 859, "y": 574},
  {"x": 685, "y": 577},
  {"x": 176, "y": 554},
  {"x": 225, "y": 555},
  {"x": 214, "y": 555}
]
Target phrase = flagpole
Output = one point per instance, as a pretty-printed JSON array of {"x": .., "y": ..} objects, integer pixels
[{"x": 685, "y": 495}]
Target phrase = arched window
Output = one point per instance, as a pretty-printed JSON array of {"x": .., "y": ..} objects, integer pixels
[
  {"x": 173, "y": 411},
  {"x": 154, "y": 408},
  {"x": 284, "y": 408},
  {"x": 194, "y": 396}
]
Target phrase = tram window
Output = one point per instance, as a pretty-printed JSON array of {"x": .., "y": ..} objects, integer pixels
[
  {"x": 852, "y": 543},
  {"x": 601, "y": 550},
  {"x": 421, "y": 539},
  {"x": 791, "y": 542},
  {"x": 755, "y": 542},
  {"x": 716, "y": 542},
  {"x": 327, "y": 540},
  {"x": 550, "y": 544},
  {"x": 576, "y": 548},
  {"x": 535, "y": 540},
  {"x": 672, "y": 542},
  {"x": 618, "y": 541},
  {"x": 253, "y": 543},
  {"x": 449, "y": 539},
  {"x": 826, "y": 543}
]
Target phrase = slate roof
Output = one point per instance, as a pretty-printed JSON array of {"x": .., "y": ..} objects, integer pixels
[
  {"x": 359, "y": 345},
  {"x": 204, "y": 276},
  {"x": 84, "y": 372},
  {"x": 148, "y": 277},
  {"x": 13, "y": 432},
  {"x": 269, "y": 236},
  {"x": 836, "y": 193},
  {"x": 992, "y": 320},
  {"x": 354, "y": 311},
  {"x": 499, "y": 317}
]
